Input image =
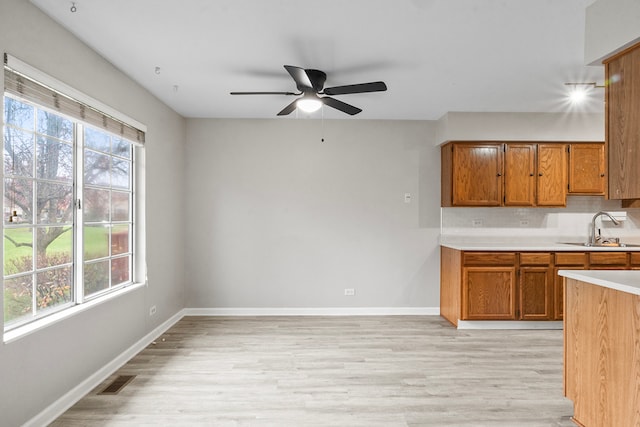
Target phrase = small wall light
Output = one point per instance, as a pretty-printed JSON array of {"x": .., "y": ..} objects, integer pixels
[{"x": 580, "y": 91}]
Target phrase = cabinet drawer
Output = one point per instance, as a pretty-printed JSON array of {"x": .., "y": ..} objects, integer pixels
[
  {"x": 489, "y": 258},
  {"x": 635, "y": 258},
  {"x": 571, "y": 258},
  {"x": 608, "y": 258},
  {"x": 535, "y": 258}
]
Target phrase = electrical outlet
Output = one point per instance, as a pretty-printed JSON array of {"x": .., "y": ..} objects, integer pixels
[
  {"x": 476, "y": 222},
  {"x": 407, "y": 197},
  {"x": 152, "y": 310},
  {"x": 524, "y": 223},
  {"x": 349, "y": 292}
]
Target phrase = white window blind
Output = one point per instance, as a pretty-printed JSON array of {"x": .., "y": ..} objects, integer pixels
[{"x": 20, "y": 85}]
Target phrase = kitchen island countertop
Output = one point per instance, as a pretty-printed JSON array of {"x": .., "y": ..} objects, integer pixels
[{"x": 621, "y": 280}]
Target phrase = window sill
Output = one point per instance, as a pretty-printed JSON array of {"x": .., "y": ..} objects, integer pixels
[{"x": 29, "y": 328}]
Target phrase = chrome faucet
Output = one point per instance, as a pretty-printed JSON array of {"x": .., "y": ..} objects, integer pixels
[{"x": 593, "y": 240}]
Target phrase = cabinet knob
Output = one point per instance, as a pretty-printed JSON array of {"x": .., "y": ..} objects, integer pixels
[
  {"x": 531, "y": 174},
  {"x": 540, "y": 174},
  {"x": 602, "y": 175},
  {"x": 499, "y": 174}
]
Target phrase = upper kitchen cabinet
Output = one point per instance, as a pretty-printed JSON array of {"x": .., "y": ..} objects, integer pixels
[
  {"x": 519, "y": 174},
  {"x": 504, "y": 174},
  {"x": 535, "y": 174},
  {"x": 587, "y": 172},
  {"x": 552, "y": 175},
  {"x": 622, "y": 72},
  {"x": 472, "y": 174}
]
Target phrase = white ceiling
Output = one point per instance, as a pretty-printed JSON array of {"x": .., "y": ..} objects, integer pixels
[{"x": 435, "y": 55}]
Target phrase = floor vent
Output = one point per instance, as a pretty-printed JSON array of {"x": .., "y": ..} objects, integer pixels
[{"x": 118, "y": 384}]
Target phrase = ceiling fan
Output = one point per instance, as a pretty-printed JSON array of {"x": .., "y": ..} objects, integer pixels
[{"x": 310, "y": 84}]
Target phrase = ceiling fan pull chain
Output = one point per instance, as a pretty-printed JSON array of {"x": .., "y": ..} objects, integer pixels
[{"x": 322, "y": 126}]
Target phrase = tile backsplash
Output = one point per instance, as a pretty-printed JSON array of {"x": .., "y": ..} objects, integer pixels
[{"x": 572, "y": 221}]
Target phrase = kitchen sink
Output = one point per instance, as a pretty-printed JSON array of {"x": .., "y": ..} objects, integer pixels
[{"x": 602, "y": 245}]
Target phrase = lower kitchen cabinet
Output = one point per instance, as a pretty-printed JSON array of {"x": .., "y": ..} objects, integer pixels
[
  {"x": 536, "y": 299},
  {"x": 486, "y": 286},
  {"x": 488, "y": 293},
  {"x": 506, "y": 286},
  {"x": 514, "y": 285},
  {"x": 536, "y": 286}
]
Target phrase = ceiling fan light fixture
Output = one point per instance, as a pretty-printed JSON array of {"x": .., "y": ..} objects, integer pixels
[{"x": 309, "y": 104}]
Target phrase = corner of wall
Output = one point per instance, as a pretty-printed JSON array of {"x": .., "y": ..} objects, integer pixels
[
  {"x": 442, "y": 127},
  {"x": 610, "y": 27}
]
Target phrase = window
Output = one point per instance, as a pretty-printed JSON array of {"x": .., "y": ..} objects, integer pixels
[
  {"x": 38, "y": 211},
  {"x": 68, "y": 204},
  {"x": 107, "y": 211}
]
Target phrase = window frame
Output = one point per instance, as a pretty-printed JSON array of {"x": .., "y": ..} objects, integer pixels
[
  {"x": 81, "y": 150},
  {"x": 77, "y": 224},
  {"x": 136, "y": 248},
  {"x": 35, "y": 224}
]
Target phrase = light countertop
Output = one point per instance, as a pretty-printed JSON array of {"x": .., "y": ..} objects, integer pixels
[
  {"x": 527, "y": 243},
  {"x": 621, "y": 280}
]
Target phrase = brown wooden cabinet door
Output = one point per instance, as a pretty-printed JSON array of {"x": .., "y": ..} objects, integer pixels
[
  {"x": 519, "y": 174},
  {"x": 623, "y": 124},
  {"x": 536, "y": 296},
  {"x": 586, "y": 169},
  {"x": 488, "y": 293},
  {"x": 477, "y": 174},
  {"x": 552, "y": 175}
]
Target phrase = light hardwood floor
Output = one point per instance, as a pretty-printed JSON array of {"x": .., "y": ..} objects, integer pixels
[{"x": 336, "y": 371}]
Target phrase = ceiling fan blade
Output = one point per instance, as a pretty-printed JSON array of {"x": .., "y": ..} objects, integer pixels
[
  {"x": 339, "y": 105},
  {"x": 288, "y": 109},
  {"x": 300, "y": 76},
  {"x": 357, "y": 88},
  {"x": 264, "y": 93}
]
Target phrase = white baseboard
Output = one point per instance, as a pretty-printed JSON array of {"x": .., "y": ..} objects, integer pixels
[
  {"x": 508, "y": 324},
  {"x": 314, "y": 311},
  {"x": 57, "y": 408}
]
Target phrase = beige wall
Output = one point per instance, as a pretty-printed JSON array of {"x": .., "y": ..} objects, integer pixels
[
  {"x": 521, "y": 126},
  {"x": 279, "y": 219}
]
